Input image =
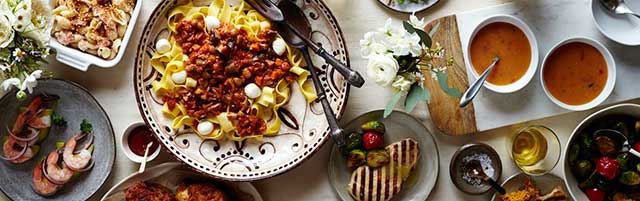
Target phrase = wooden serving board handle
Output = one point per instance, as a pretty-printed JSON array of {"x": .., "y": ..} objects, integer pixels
[{"x": 447, "y": 116}]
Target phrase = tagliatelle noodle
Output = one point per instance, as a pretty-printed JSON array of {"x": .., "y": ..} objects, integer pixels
[{"x": 271, "y": 99}]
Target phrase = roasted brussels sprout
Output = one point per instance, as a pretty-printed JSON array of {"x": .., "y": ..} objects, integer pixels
[
  {"x": 638, "y": 167},
  {"x": 377, "y": 158},
  {"x": 354, "y": 141},
  {"x": 582, "y": 169},
  {"x": 629, "y": 178},
  {"x": 356, "y": 158},
  {"x": 606, "y": 145},
  {"x": 375, "y": 126},
  {"x": 625, "y": 160},
  {"x": 574, "y": 154}
]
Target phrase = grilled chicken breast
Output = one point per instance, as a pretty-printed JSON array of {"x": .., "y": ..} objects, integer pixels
[{"x": 381, "y": 184}]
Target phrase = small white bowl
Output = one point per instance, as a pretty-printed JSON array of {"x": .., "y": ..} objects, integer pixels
[
  {"x": 623, "y": 29},
  {"x": 82, "y": 60},
  {"x": 531, "y": 71},
  {"x": 611, "y": 75},
  {"x": 125, "y": 145}
]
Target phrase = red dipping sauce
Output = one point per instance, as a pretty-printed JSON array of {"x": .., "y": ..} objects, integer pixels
[{"x": 139, "y": 138}]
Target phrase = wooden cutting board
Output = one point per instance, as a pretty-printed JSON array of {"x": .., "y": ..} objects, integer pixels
[
  {"x": 551, "y": 21},
  {"x": 445, "y": 112}
]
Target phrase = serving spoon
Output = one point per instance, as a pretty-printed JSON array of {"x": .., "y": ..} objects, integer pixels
[
  {"x": 474, "y": 169},
  {"x": 473, "y": 90},
  {"x": 293, "y": 12},
  {"x": 616, "y": 135},
  {"x": 275, "y": 14},
  {"x": 618, "y": 7}
]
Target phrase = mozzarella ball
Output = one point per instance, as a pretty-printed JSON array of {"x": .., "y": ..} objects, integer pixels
[
  {"x": 191, "y": 82},
  {"x": 205, "y": 127},
  {"x": 279, "y": 46},
  {"x": 252, "y": 91},
  {"x": 179, "y": 77},
  {"x": 264, "y": 25},
  {"x": 211, "y": 22},
  {"x": 163, "y": 46}
]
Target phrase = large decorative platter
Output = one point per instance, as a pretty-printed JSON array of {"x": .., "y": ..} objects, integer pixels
[
  {"x": 75, "y": 104},
  {"x": 304, "y": 131}
]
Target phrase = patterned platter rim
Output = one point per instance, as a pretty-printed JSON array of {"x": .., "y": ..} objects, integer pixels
[
  {"x": 407, "y": 11},
  {"x": 138, "y": 82}
]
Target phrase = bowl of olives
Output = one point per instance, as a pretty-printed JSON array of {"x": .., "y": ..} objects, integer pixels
[{"x": 600, "y": 161}]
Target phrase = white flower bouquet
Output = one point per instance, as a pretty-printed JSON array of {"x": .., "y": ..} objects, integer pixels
[
  {"x": 398, "y": 56},
  {"x": 25, "y": 28}
]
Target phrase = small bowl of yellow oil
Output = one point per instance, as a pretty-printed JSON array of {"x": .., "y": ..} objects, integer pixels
[{"x": 535, "y": 150}]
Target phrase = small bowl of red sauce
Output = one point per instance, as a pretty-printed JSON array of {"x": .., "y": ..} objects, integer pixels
[{"x": 135, "y": 140}]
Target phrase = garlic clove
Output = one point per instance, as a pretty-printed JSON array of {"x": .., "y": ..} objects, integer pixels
[
  {"x": 279, "y": 46},
  {"x": 163, "y": 46},
  {"x": 252, "y": 91}
]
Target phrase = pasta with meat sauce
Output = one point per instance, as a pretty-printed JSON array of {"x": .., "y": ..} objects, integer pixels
[{"x": 225, "y": 71}]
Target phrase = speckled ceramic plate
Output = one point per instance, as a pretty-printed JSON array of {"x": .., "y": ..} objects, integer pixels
[
  {"x": 251, "y": 159},
  {"x": 408, "y": 6},
  {"x": 399, "y": 125},
  {"x": 546, "y": 183},
  {"x": 75, "y": 104},
  {"x": 171, "y": 174}
]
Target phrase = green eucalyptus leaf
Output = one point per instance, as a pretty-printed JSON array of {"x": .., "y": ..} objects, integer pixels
[
  {"x": 424, "y": 37},
  {"x": 444, "y": 85},
  {"x": 408, "y": 27},
  {"x": 416, "y": 93},
  {"x": 434, "y": 30},
  {"x": 392, "y": 104}
]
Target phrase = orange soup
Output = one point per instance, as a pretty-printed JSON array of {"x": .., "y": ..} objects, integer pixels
[
  {"x": 509, "y": 43},
  {"x": 575, "y": 73}
]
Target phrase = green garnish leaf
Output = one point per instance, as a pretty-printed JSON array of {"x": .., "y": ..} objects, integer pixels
[
  {"x": 58, "y": 120},
  {"x": 392, "y": 104},
  {"x": 86, "y": 127},
  {"x": 416, "y": 93},
  {"x": 444, "y": 85}
]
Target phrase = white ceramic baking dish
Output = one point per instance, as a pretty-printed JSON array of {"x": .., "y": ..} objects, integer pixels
[{"x": 81, "y": 60}]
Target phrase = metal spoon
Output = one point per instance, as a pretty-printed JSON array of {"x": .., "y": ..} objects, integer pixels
[
  {"x": 617, "y": 136},
  {"x": 477, "y": 85},
  {"x": 293, "y": 12},
  {"x": 618, "y": 7},
  {"x": 275, "y": 14},
  {"x": 474, "y": 169}
]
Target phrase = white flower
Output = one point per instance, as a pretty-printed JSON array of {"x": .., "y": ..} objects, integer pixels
[
  {"x": 418, "y": 24},
  {"x": 18, "y": 54},
  {"x": 413, "y": 43},
  {"x": 22, "y": 16},
  {"x": 402, "y": 83},
  {"x": 6, "y": 31},
  {"x": 31, "y": 81},
  {"x": 382, "y": 69},
  {"x": 370, "y": 45},
  {"x": 3, "y": 67},
  {"x": 8, "y": 83}
]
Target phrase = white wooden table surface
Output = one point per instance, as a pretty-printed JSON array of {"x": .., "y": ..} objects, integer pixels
[{"x": 114, "y": 90}]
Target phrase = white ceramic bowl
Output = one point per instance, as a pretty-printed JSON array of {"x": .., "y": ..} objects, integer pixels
[
  {"x": 82, "y": 60},
  {"x": 569, "y": 179},
  {"x": 531, "y": 71},
  {"x": 127, "y": 151},
  {"x": 611, "y": 75},
  {"x": 623, "y": 29}
]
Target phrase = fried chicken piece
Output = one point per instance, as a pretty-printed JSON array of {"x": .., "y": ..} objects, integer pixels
[
  {"x": 200, "y": 191},
  {"x": 147, "y": 191},
  {"x": 557, "y": 194}
]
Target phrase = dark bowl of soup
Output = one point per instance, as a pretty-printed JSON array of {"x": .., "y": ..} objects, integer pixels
[
  {"x": 578, "y": 74},
  {"x": 513, "y": 41}
]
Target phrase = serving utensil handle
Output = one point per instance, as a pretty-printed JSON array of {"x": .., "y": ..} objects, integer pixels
[
  {"x": 495, "y": 185},
  {"x": 477, "y": 85},
  {"x": 354, "y": 78},
  {"x": 336, "y": 132}
]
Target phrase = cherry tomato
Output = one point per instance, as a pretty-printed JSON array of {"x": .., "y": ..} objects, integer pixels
[
  {"x": 372, "y": 140},
  {"x": 609, "y": 168},
  {"x": 636, "y": 146},
  {"x": 595, "y": 194}
]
